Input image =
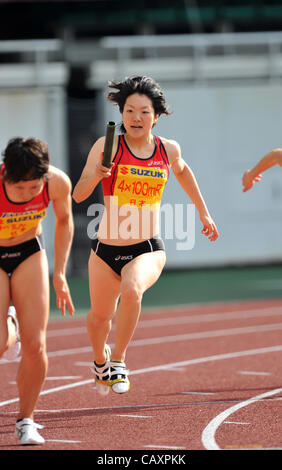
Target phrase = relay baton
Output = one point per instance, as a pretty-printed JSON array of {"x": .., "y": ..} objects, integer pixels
[{"x": 108, "y": 147}]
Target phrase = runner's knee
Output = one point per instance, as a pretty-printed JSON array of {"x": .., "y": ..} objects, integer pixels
[
  {"x": 98, "y": 317},
  {"x": 34, "y": 349},
  {"x": 131, "y": 293}
]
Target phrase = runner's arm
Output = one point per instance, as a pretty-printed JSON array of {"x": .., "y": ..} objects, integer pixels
[
  {"x": 92, "y": 173},
  {"x": 268, "y": 161},
  {"x": 60, "y": 189},
  {"x": 188, "y": 182}
]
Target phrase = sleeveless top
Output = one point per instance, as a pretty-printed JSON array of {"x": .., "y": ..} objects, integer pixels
[
  {"x": 17, "y": 218},
  {"x": 137, "y": 181}
]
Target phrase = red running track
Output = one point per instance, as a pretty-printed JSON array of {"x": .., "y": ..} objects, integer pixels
[{"x": 202, "y": 377}]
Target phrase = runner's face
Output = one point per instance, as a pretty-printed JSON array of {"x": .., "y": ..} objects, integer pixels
[
  {"x": 138, "y": 115},
  {"x": 23, "y": 191}
]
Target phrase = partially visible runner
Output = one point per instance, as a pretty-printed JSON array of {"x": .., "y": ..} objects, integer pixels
[
  {"x": 27, "y": 184},
  {"x": 250, "y": 177},
  {"x": 128, "y": 255}
]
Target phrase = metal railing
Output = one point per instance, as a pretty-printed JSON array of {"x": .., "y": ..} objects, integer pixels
[
  {"x": 39, "y": 49},
  {"x": 194, "y": 57}
]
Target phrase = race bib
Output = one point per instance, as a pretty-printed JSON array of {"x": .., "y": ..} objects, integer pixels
[
  {"x": 139, "y": 186},
  {"x": 13, "y": 225}
]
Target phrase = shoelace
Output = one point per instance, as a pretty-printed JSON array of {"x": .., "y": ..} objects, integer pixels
[
  {"x": 31, "y": 423},
  {"x": 103, "y": 373},
  {"x": 119, "y": 370},
  {"x": 38, "y": 426}
]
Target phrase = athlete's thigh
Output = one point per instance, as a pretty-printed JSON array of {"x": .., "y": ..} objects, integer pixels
[
  {"x": 104, "y": 287},
  {"x": 4, "y": 304},
  {"x": 144, "y": 270},
  {"x": 30, "y": 295}
]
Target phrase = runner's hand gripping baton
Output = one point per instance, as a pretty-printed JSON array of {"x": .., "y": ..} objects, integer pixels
[{"x": 108, "y": 147}]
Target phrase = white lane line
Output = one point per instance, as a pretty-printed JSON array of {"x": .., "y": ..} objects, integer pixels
[
  {"x": 208, "y": 434},
  {"x": 199, "y": 360},
  {"x": 250, "y": 372},
  {"x": 63, "y": 352},
  {"x": 66, "y": 332},
  {"x": 216, "y": 357},
  {"x": 210, "y": 317},
  {"x": 152, "y": 446},
  {"x": 64, "y": 377},
  {"x": 171, "y": 339},
  {"x": 51, "y": 390},
  {"x": 208, "y": 334},
  {"x": 68, "y": 377},
  {"x": 197, "y": 393},
  {"x": 203, "y": 334},
  {"x": 63, "y": 441},
  {"x": 202, "y": 318},
  {"x": 175, "y": 338},
  {"x": 134, "y": 416},
  {"x": 176, "y": 369},
  {"x": 234, "y": 422}
]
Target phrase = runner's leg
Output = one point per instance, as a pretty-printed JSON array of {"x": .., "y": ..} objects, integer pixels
[
  {"x": 7, "y": 328},
  {"x": 30, "y": 295},
  {"x": 136, "y": 277},
  {"x": 104, "y": 287}
]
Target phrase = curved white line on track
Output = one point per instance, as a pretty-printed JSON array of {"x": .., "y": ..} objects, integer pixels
[
  {"x": 199, "y": 360},
  {"x": 208, "y": 434}
]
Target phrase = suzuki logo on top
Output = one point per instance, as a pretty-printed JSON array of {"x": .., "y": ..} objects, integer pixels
[
  {"x": 143, "y": 171},
  {"x": 124, "y": 170}
]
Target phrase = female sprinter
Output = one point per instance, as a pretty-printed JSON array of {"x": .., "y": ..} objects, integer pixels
[
  {"x": 27, "y": 184},
  {"x": 123, "y": 267}
]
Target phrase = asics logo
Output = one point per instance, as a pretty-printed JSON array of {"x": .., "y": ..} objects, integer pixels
[
  {"x": 155, "y": 163},
  {"x": 11, "y": 255},
  {"x": 123, "y": 258}
]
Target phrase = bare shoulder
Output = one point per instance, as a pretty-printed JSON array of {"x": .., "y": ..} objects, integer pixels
[
  {"x": 172, "y": 148},
  {"x": 98, "y": 144},
  {"x": 98, "y": 148},
  {"x": 59, "y": 183}
]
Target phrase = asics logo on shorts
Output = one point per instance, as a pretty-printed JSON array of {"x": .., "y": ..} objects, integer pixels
[
  {"x": 123, "y": 258},
  {"x": 10, "y": 255}
]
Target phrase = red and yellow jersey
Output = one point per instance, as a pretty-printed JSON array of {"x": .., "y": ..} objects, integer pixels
[
  {"x": 137, "y": 181},
  {"x": 17, "y": 218}
]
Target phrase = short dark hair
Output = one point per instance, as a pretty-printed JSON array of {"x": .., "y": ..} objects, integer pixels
[
  {"x": 143, "y": 86},
  {"x": 25, "y": 160}
]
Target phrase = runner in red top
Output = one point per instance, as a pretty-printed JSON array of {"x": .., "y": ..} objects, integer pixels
[
  {"x": 137, "y": 181},
  {"x": 128, "y": 255},
  {"x": 17, "y": 218},
  {"x": 27, "y": 183}
]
